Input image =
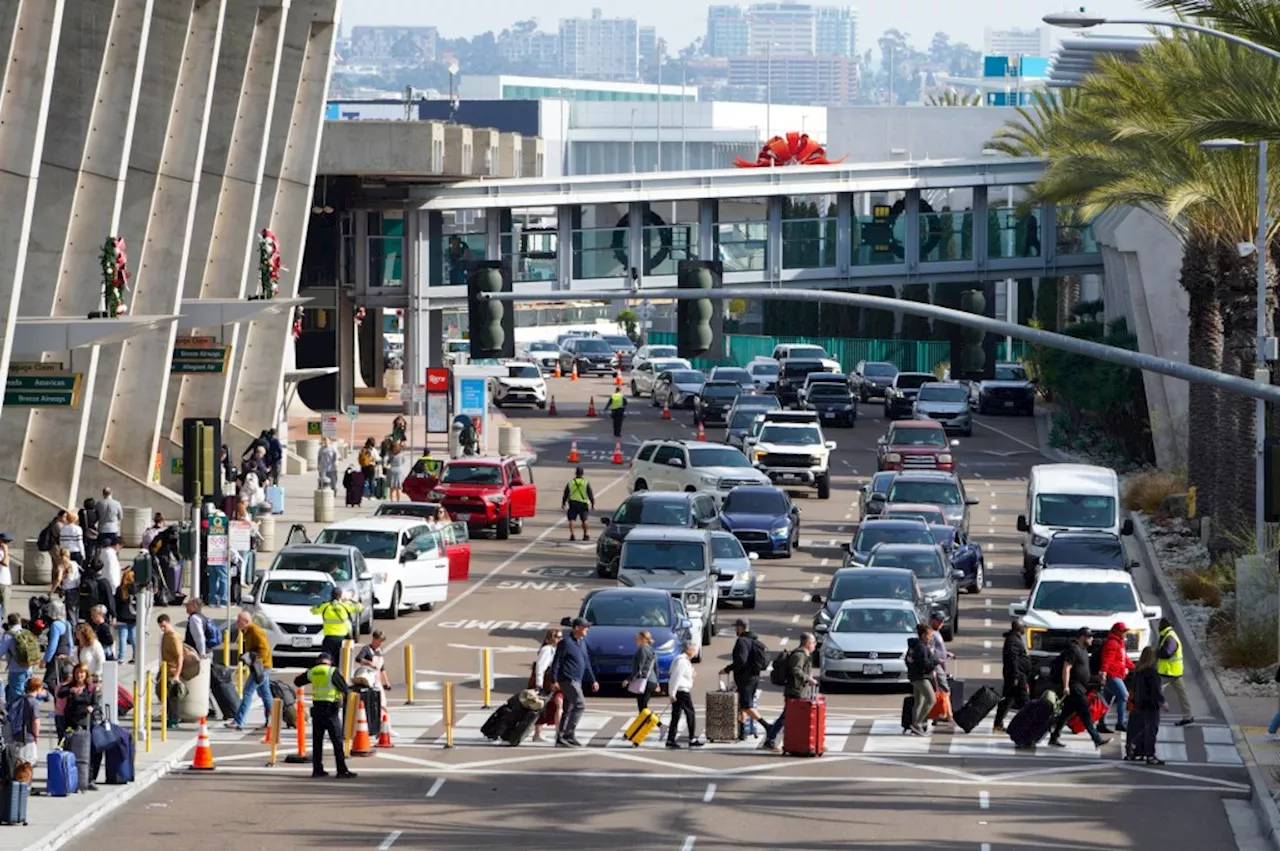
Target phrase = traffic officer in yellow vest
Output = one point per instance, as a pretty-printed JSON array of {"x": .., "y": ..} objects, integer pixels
[
  {"x": 337, "y": 614},
  {"x": 327, "y": 691},
  {"x": 617, "y": 409},
  {"x": 427, "y": 466},
  {"x": 578, "y": 499},
  {"x": 1169, "y": 667}
]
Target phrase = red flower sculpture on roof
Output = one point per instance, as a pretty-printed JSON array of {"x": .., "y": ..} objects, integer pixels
[{"x": 794, "y": 149}]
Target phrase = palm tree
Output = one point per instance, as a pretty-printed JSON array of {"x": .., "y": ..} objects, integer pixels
[{"x": 953, "y": 98}]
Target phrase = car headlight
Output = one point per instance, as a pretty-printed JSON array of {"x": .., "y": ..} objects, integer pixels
[
  {"x": 1132, "y": 640},
  {"x": 436, "y": 496},
  {"x": 893, "y": 457},
  {"x": 831, "y": 652},
  {"x": 668, "y": 646},
  {"x": 780, "y": 531},
  {"x": 742, "y": 576},
  {"x": 757, "y": 455},
  {"x": 1035, "y": 638},
  {"x": 1039, "y": 541},
  {"x": 495, "y": 498},
  {"x": 709, "y": 481},
  {"x": 693, "y": 598},
  {"x": 944, "y": 458},
  {"x": 848, "y": 407},
  {"x": 935, "y": 596}
]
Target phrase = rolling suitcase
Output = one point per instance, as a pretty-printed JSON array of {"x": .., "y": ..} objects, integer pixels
[
  {"x": 63, "y": 778},
  {"x": 502, "y": 719},
  {"x": 80, "y": 743},
  {"x": 908, "y": 712},
  {"x": 638, "y": 730},
  {"x": 380, "y": 487},
  {"x": 119, "y": 759},
  {"x": 721, "y": 716},
  {"x": 224, "y": 695},
  {"x": 976, "y": 708},
  {"x": 372, "y": 698},
  {"x": 275, "y": 496},
  {"x": 1031, "y": 723},
  {"x": 1097, "y": 711},
  {"x": 289, "y": 698},
  {"x": 956, "y": 690},
  {"x": 13, "y": 802},
  {"x": 519, "y": 724},
  {"x": 804, "y": 727}
]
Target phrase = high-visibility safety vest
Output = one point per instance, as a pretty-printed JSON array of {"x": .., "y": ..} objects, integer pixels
[
  {"x": 322, "y": 688},
  {"x": 578, "y": 491},
  {"x": 430, "y": 466},
  {"x": 616, "y": 402},
  {"x": 1171, "y": 667},
  {"x": 337, "y": 617}
]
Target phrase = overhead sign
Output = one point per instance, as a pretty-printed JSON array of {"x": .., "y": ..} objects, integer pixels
[
  {"x": 437, "y": 380},
  {"x": 42, "y": 389},
  {"x": 35, "y": 366},
  {"x": 199, "y": 355},
  {"x": 175, "y": 465},
  {"x": 240, "y": 535}
]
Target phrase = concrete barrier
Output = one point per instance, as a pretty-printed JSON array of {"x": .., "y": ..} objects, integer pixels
[
  {"x": 323, "y": 506},
  {"x": 37, "y": 566},
  {"x": 309, "y": 450},
  {"x": 135, "y": 522},
  {"x": 195, "y": 704},
  {"x": 510, "y": 440},
  {"x": 266, "y": 533}
]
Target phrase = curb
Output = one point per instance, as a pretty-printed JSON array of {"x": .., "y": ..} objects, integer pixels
[
  {"x": 87, "y": 818},
  {"x": 1260, "y": 795}
]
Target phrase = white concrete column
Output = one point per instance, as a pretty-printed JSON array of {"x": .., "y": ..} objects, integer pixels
[
  {"x": 285, "y": 207},
  {"x": 223, "y": 246},
  {"x": 159, "y": 207},
  {"x": 29, "y": 32},
  {"x": 96, "y": 86}
]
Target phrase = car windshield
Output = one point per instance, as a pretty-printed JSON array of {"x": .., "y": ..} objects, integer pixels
[
  {"x": 651, "y": 512},
  {"x": 931, "y": 516},
  {"x": 459, "y": 346},
  {"x": 660, "y": 366},
  {"x": 738, "y": 376},
  {"x": 295, "y": 592},
  {"x": 662, "y": 352},
  {"x": 337, "y": 566},
  {"x": 807, "y": 352},
  {"x": 881, "y": 482},
  {"x": 742, "y": 417},
  {"x": 1084, "y": 598},
  {"x": 875, "y": 620},
  {"x": 687, "y": 376},
  {"x": 628, "y": 610},
  {"x": 755, "y": 502},
  {"x": 799, "y": 370},
  {"x": 791, "y": 435},
  {"x": 726, "y": 546},
  {"x": 912, "y": 380},
  {"x": 543, "y": 347},
  {"x": 1084, "y": 552},
  {"x": 766, "y": 369},
  {"x": 829, "y": 390},
  {"x": 879, "y": 370},
  {"x": 685, "y": 556},
  {"x": 371, "y": 544},
  {"x": 592, "y": 347},
  {"x": 917, "y": 437},
  {"x": 424, "y": 510},
  {"x": 923, "y": 563},
  {"x": 946, "y": 393},
  {"x": 872, "y": 534},
  {"x": 1010, "y": 373},
  {"x": 1072, "y": 511},
  {"x": 717, "y": 456},
  {"x": 618, "y": 341},
  {"x": 472, "y": 474},
  {"x": 525, "y": 371},
  {"x": 721, "y": 389},
  {"x": 861, "y": 585},
  {"x": 932, "y": 493}
]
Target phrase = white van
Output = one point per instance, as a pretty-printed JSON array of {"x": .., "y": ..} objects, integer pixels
[
  {"x": 406, "y": 555},
  {"x": 1068, "y": 497}
]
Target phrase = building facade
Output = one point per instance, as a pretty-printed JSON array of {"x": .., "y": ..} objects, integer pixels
[
  {"x": 383, "y": 45},
  {"x": 728, "y": 32},
  {"x": 823, "y": 80},
  {"x": 599, "y": 47},
  {"x": 1017, "y": 42}
]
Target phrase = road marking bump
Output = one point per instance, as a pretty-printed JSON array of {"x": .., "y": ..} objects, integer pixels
[
  {"x": 848, "y": 516},
  {"x": 986, "y": 669},
  {"x": 783, "y": 642},
  {"x": 987, "y": 602},
  {"x": 994, "y": 507},
  {"x": 984, "y": 799},
  {"x": 986, "y": 622},
  {"x": 991, "y": 530},
  {"x": 435, "y": 787},
  {"x": 389, "y": 841},
  {"x": 986, "y": 846},
  {"x": 840, "y": 528},
  {"x": 986, "y": 645},
  {"x": 795, "y": 619},
  {"x": 688, "y": 843},
  {"x": 709, "y": 794},
  {"x": 804, "y": 598},
  {"x": 815, "y": 580},
  {"x": 824, "y": 562}
]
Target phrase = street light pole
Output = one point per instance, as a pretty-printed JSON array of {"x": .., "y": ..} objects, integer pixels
[
  {"x": 633, "y": 140},
  {"x": 768, "y": 89}
]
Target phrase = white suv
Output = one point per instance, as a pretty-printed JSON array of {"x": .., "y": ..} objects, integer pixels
[
  {"x": 794, "y": 454},
  {"x": 691, "y": 465},
  {"x": 522, "y": 385}
]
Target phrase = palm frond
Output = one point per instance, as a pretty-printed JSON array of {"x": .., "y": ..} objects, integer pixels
[{"x": 1256, "y": 20}]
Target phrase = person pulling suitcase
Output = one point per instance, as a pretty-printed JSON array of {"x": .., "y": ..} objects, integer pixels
[
  {"x": 257, "y": 658},
  {"x": 1016, "y": 672}
]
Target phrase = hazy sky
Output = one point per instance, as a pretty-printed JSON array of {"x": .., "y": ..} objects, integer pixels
[{"x": 679, "y": 22}]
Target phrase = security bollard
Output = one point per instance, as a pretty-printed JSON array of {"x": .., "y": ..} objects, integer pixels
[
  {"x": 137, "y": 715},
  {"x": 226, "y": 648},
  {"x": 242, "y": 673},
  {"x": 486, "y": 675},
  {"x": 163, "y": 722},
  {"x": 449, "y": 717},
  {"x": 408, "y": 674},
  {"x": 348, "y": 647},
  {"x": 273, "y": 732},
  {"x": 349, "y": 728}
]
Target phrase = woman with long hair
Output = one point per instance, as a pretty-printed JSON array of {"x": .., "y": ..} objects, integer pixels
[
  {"x": 1148, "y": 701},
  {"x": 550, "y": 716},
  {"x": 643, "y": 681},
  {"x": 89, "y": 650},
  {"x": 76, "y": 700}
]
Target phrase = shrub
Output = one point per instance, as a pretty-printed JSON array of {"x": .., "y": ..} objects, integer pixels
[
  {"x": 1198, "y": 587},
  {"x": 1253, "y": 647},
  {"x": 1146, "y": 491}
]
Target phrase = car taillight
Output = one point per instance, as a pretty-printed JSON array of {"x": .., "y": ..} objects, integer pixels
[{"x": 944, "y": 458}]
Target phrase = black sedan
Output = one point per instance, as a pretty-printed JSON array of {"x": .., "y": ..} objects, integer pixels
[
  {"x": 714, "y": 400},
  {"x": 834, "y": 403}
]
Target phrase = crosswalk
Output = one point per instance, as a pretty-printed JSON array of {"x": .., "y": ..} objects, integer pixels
[{"x": 875, "y": 736}]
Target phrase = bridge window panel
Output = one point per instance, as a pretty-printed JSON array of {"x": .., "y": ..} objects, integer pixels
[
  {"x": 1075, "y": 232},
  {"x": 386, "y": 248},
  {"x": 670, "y": 235},
  {"x": 600, "y": 253},
  {"x": 1013, "y": 225},
  {"x": 532, "y": 244},
  {"x": 808, "y": 231},
  {"x": 462, "y": 242},
  {"x": 742, "y": 234},
  {"x": 946, "y": 236},
  {"x": 873, "y": 238}
]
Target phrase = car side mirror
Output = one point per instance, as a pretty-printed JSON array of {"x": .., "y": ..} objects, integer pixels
[
  {"x": 845, "y": 547},
  {"x": 1126, "y": 528},
  {"x": 1152, "y": 613},
  {"x": 246, "y": 599},
  {"x": 971, "y": 500},
  {"x": 566, "y": 621},
  {"x": 880, "y": 441},
  {"x": 753, "y": 556},
  {"x": 816, "y": 598},
  {"x": 1022, "y": 523},
  {"x": 409, "y": 556},
  {"x": 1017, "y": 610},
  {"x": 831, "y": 444},
  {"x": 958, "y": 575},
  {"x": 675, "y": 462},
  {"x": 879, "y": 497},
  {"x": 1134, "y": 564},
  {"x": 605, "y": 521},
  {"x": 366, "y": 577},
  {"x": 955, "y": 442},
  {"x": 820, "y": 627},
  {"x": 686, "y": 625}
]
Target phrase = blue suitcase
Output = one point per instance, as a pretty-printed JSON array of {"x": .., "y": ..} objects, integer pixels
[
  {"x": 119, "y": 759},
  {"x": 63, "y": 777},
  {"x": 275, "y": 496},
  {"x": 13, "y": 802}
]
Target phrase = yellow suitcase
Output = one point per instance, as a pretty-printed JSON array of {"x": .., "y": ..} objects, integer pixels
[{"x": 639, "y": 729}]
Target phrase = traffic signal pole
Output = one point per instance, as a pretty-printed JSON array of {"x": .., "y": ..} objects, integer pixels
[{"x": 1111, "y": 354}]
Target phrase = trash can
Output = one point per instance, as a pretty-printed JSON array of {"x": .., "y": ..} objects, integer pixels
[
  {"x": 134, "y": 523},
  {"x": 323, "y": 506},
  {"x": 195, "y": 704},
  {"x": 37, "y": 566}
]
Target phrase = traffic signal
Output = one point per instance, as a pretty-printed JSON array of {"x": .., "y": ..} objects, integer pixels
[
  {"x": 201, "y": 461},
  {"x": 972, "y": 358},
  {"x": 696, "y": 319},
  {"x": 492, "y": 323}
]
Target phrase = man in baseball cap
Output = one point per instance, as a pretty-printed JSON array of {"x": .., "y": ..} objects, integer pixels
[
  {"x": 1074, "y": 665},
  {"x": 328, "y": 689},
  {"x": 578, "y": 499},
  {"x": 1016, "y": 671}
]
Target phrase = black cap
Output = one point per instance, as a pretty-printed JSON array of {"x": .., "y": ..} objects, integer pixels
[
  {"x": 1084, "y": 632},
  {"x": 742, "y": 622},
  {"x": 580, "y": 622},
  {"x": 4, "y": 536},
  {"x": 324, "y": 657}
]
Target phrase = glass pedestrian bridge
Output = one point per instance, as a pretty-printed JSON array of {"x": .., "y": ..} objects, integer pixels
[{"x": 840, "y": 226}]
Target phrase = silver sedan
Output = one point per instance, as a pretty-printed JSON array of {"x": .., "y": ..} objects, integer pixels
[
  {"x": 867, "y": 642},
  {"x": 736, "y": 569}
]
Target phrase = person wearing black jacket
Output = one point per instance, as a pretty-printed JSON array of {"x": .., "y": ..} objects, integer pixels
[
  {"x": 95, "y": 590},
  {"x": 1074, "y": 663},
  {"x": 922, "y": 667},
  {"x": 1016, "y": 673},
  {"x": 748, "y": 653}
]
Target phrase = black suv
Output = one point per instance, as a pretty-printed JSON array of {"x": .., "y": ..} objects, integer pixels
[
  {"x": 681, "y": 510},
  {"x": 589, "y": 354},
  {"x": 1102, "y": 550},
  {"x": 870, "y": 379},
  {"x": 714, "y": 400},
  {"x": 791, "y": 375}
]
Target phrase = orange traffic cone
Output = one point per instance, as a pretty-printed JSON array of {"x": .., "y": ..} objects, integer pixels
[
  {"x": 617, "y": 377},
  {"x": 702, "y": 432},
  {"x": 384, "y": 733},
  {"x": 591, "y": 406},
  {"x": 203, "y": 760},
  {"x": 361, "y": 745},
  {"x": 666, "y": 411},
  {"x": 617, "y": 452},
  {"x": 551, "y": 409},
  {"x": 573, "y": 453},
  {"x": 559, "y": 374},
  {"x": 573, "y": 376}
]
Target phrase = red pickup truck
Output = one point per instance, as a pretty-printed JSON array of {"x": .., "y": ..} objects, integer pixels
[
  {"x": 915, "y": 445},
  {"x": 488, "y": 493}
]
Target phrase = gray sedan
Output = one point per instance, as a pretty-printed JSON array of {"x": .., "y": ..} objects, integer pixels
[{"x": 736, "y": 569}]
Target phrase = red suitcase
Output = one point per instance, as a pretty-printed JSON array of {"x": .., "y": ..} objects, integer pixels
[
  {"x": 804, "y": 728},
  {"x": 1097, "y": 709}
]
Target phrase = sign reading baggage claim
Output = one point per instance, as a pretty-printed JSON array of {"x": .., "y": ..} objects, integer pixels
[
  {"x": 41, "y": 385},
  {"x": 195, "y": 355}
]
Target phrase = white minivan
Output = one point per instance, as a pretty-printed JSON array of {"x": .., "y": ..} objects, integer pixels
[
  {"x": 1068, "y": 498},
  {"x": 406, "y": 556}
]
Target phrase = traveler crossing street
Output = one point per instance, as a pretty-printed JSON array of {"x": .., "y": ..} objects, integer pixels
[
  {"x": 799, "y": 679},
  {"x": 1073, "y": 680},
  {"x": 337, "y": 614},
  {"x": 750, "y": 658},
  {"x": 1115, "y": 667},
  {"x": 571, "y": 672},
  {"x": 617, "y": 409},
  {"x": 257, "y": 660},
  {"x": 578, "y": 499},
  {"x": 327, "y": 691},
  {"x": 1169, "y": 666},
  {"x": 1016, "y": 672},
  {"x": 680, "y": 686}
]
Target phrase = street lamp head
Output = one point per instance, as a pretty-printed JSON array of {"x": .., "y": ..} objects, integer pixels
[
  {"x": 1225, "y": 144},
  {"x": 453, "y": 68},
  {"x": 1073, "y": 20}
]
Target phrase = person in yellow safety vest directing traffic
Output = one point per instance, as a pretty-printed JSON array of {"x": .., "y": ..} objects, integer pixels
[
  {"x": 1169, "y": 667},
  {"x": 327, "y": 691},
  {"x": 617, "y": 408},
  {"x": 337, "y": 614},
  {"x": 578, "y": 499},
  {"x": 427, "y": 466}
]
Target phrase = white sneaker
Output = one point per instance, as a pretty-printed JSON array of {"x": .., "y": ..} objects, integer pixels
[
  {"x": 1273, "y": 737},
  {"x": 537, "y": 735}
]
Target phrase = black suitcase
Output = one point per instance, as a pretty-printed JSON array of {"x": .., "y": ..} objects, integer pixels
[
  {"x": 289, "y": 699},
  {"x": 502, "y": 719},
  {"x": 956, "y": 687},
  {"x": 13, "y": 802},
  {"x": 224, "y": 695},
  {"x": 520, "y": 721},
  {"x": 978, "y": 707},
  {"x": 1031, "y": 723},
  {"x": 372, "y": 698},
  {"x": 908, "y": 711}
]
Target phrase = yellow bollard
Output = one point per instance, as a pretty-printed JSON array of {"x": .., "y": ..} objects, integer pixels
[
  {"x": 148, "y": 711},
  {"x": 408, "y": 674},
  {"x": 349, "y": 728},
  {"x": 486, "y": 675},
  {"x": 226, "y": 648},
  {"x": 348, "y": 647},
  {"x": 241, "y": 671},
  {"x": 449, "y": 714},
  {"x": 137, "y": 716},
  {"x": 164, "y": 703},
  {"x": 273, "y": 732}
]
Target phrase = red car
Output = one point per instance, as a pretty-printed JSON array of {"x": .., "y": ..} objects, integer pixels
[
  {"x": 916, "y": 445},
  {"x": 488, "y": 493}
]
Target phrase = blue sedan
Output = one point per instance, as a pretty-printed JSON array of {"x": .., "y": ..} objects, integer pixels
[
  {"x": 964, "y": 554},
  {"x": 616, "y": 615},
  {"x": 763, "y": 518}
]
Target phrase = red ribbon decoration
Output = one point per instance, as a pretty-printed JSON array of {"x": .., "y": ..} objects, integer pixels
[{"x": 794, "y": 149}]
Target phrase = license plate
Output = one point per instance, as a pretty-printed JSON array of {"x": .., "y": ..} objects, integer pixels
[
  {"x": 872, "y": 670},
  {"x": 790, "y": 477},
  {"x": 300, "y": 641},
  {"x": 829, "y": 415},
  {"x": 1008, "y": 404}
]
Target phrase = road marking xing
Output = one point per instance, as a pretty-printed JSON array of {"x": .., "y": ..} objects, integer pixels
[
  {"x": 709, "y": 794},
  {"x": 795, "y": 619},
  {"x": 984, "y": 799},
  {"x": 688, "y": 843},
  {"x": 389, "y": 841},
  {"x": 435, "y": 787}
]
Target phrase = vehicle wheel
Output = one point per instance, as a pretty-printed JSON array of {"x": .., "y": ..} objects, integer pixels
[
  {"x": 706, "y": 635},
  {"x": 640, "y": 485},
  {"x": 503, "y": 530},
  {"x": 394, "y": 611},
  {"x": 967, "y": 432},
  {"x": 979, "y": 579},
  {"x": 517, "y": 525},
  {"x": 690, "y": 489},
  {"x": 749, "y": 603},
  {"x": 824, "y": 486},
  {"x": 635, "y": 391},
  {"x": 366, "y": 626},
  {"x": 862, "y": 397},
  {"x": 602, "y": 571}
]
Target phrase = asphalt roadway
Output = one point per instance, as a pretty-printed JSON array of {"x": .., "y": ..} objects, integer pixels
[{"x": 873, "y": 789}]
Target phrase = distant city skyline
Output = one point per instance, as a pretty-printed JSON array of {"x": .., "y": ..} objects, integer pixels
[{"x": 679, "y": 24}]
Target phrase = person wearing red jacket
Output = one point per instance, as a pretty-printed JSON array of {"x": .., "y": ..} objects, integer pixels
[{"x": 1114, "y": 666}]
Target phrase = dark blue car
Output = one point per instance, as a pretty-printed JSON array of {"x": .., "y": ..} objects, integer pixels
[
  {"x": 964, "y": 554},
  {"x": 616, "y": 615},
  {"x": 763, "y": 518}
]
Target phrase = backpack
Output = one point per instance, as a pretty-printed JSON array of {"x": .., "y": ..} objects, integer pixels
[
  {"x": 759, "y": 656},
  {"x": 47, "y": 541},
  {"x": 26, "y": 650},
  {"x": 212, "y": 635},
  {"x": 781, "y": 673}
]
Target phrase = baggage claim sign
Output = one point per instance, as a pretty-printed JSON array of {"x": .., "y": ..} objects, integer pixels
[{"x": 41, "y": 385}]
